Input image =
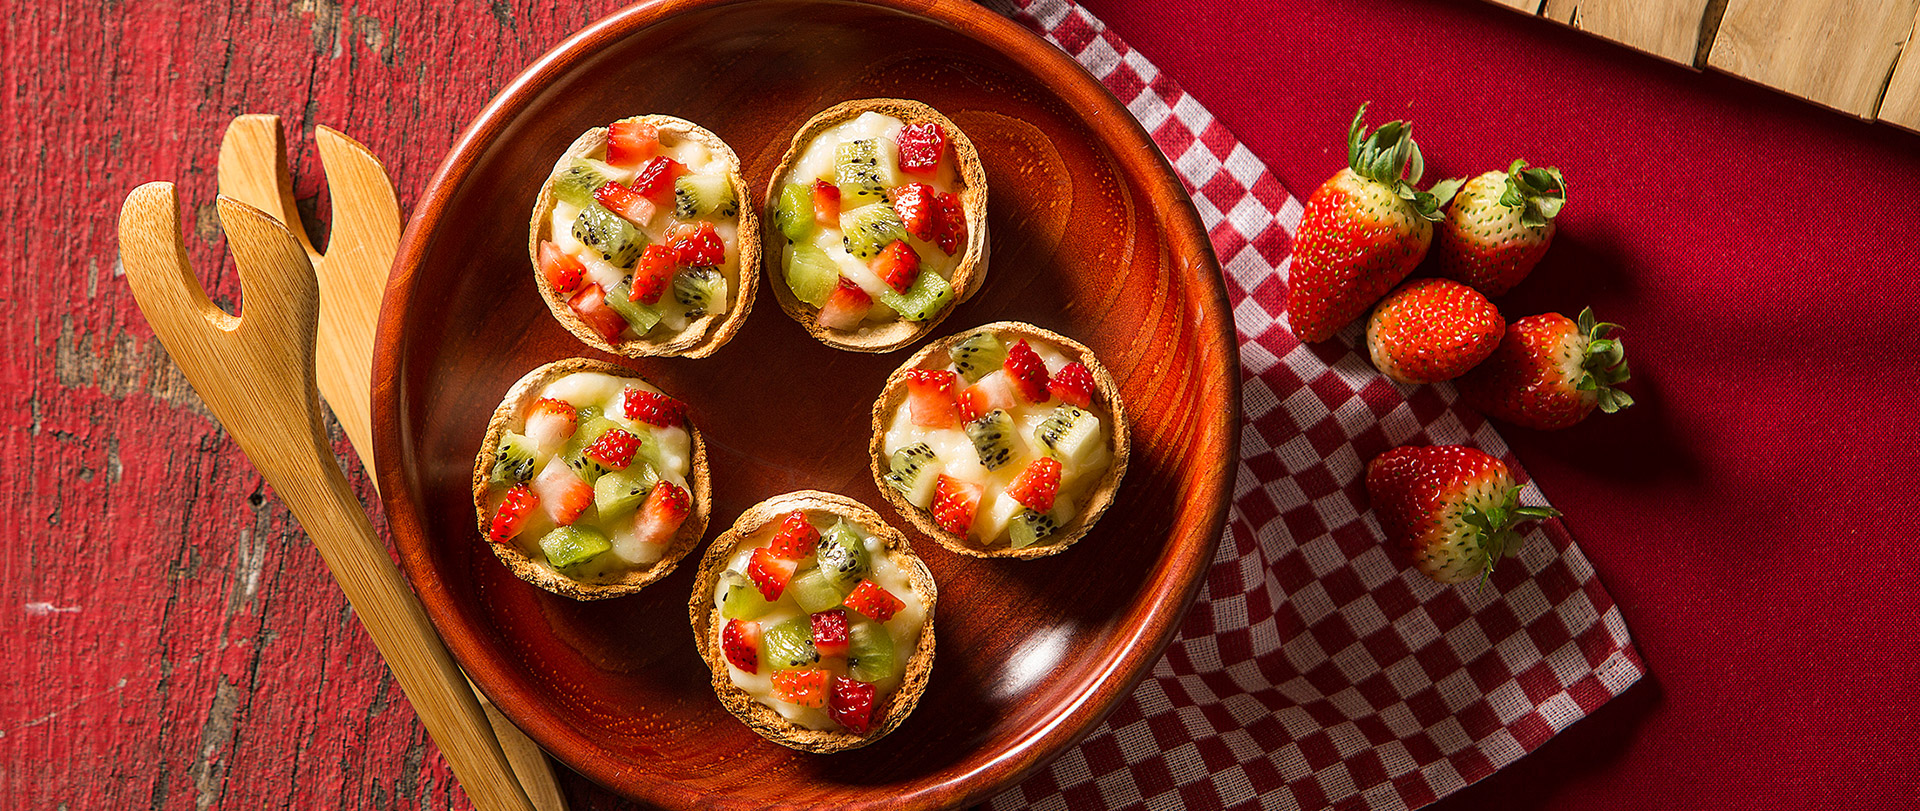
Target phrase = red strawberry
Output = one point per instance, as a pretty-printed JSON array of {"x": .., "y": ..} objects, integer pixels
[
  {"x": 660, "y": 518},
  {"x": 930, "y": 397},
  {"x": 870, "y": 599},
  {"x": 1037, "y": 485},
  {"x": 796, "y": 537},
  {"x": 921, "y": 145},
  {"x": 740, "y": 641},
  {"x": 656, "y": 178},
  {"x": 652, "y": 274},
  {"x": 550, "y": 422},
  {"x": 914, "y": 203},
  {"x": 770, "y": 572},
  {"x": 1429, "y": 330},
  {"x": 1028, "y": 371},
  {"x": 512, "y": 514},
  {"x": 851, "y": 704},
  {"x": 613, "y": 449},
  {"x": 1499, "y": 226},
  {"x": 562, "y": 492},
  {"x": 807, "y": 687},
  {"x": 652, "y": 407},
  {"x": 1550, "y": 372},
  {"x": 630, "y": 142},
  {"x": 897, "y": 265},
  {"x": 591, "y": 305},
  {"x": 830, "y": 632},
  {"x": 1454, "y": 506},
  {"x": 1073, "y": 384},
  {"x": 1363, "y": 230},
  {"x": 994, "y": 391},
  {"x": 627, "y": 203},
  {"x": 698, "y": 245},
  {"x": 826, "y": 204},
  {"x": 954, "y": 503},
  {"x": 950, "y": 222},
  {"x": 846, "y": 307},
  {"x": 562, "y": 270}
]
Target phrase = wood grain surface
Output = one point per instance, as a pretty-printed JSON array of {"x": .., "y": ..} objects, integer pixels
[
  {"x": 1837, "y": 53},
  {"x": 174, "y": 639}
]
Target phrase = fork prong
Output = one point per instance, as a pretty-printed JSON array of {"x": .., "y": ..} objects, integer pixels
[{"x": 253, "y": 170}]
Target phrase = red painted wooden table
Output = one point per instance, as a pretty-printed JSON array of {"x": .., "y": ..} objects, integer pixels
[{"x": 172, "y": 640}]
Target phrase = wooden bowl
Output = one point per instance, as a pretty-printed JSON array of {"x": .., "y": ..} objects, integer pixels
[{"x": 1110, "y": 252}]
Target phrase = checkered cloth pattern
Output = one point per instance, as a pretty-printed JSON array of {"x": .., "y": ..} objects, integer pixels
[{"x": 1315, "y": 670}]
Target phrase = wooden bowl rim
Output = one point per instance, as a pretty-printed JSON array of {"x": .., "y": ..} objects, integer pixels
[{"x": 1151, "y": 622}]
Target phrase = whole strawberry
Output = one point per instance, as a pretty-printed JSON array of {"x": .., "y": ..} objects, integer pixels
[
  {"x": 1429, "y": 330},
  {"x": 1363, "y": 230},
  {"x": 1550, "y": 372},
  {"x": 1455, "y": 507},
  {"x": 1498, "y": 226}
]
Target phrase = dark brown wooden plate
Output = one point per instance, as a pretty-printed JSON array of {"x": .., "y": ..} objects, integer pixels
[{"x": 1092, "y": 237}]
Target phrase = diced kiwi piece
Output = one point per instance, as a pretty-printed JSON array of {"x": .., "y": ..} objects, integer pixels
[
  {"x": 609, "y": 235},
  {"x": 928, "y": 294},
  {"x": 869, "y": 652},
  {"x": 514, "y": 460},
  {"x": 1069, "y": 434},
  {"x": 914, "y": 470},
  {"x": 864, "y": 169},
  {"x": 1028, "y": 528},
  {"x": 813, "y": 591},
  {"x": 867, "y": 229},
  {"x": 843, "y": 556},
  {"x": 740, "y": 599},
  {"x": 788, "y": 645},
  {"x": 702, "y": 290},
  {"x": 793, "y": 214},
  {"x": 978, "y": 355},
  {"x": 573, "y": 544},
  {"x": 621, "y": 491},
  {"x": 578, "y": 181},
  {"x": 811, "y": 274},
  {"x": 703, "y": 195},
  {"x": 639, "y": 314},
  {"x": 574, "y": 452},
  {"x": 992, "y": 435}
]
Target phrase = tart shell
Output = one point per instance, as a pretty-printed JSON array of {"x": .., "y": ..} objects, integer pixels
[
  {"x": 764, "y": 719},
  {"x": 934, "y": 356},
  {"x": 968, "y": 274},
  {"x": 704, "y": 335},
  {"x": 691, "y": 531}
]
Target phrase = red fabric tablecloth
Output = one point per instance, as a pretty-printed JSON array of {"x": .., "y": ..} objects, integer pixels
[{"x": 1753, "y": 515}]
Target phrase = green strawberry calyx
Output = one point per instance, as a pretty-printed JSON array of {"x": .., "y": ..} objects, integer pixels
[
  {"x": 1606, "y": 363},
  {"x": 1389, "y": 156},
  {"x": 1498, "y": 526},
  {"x": 1538, "y": 193}
]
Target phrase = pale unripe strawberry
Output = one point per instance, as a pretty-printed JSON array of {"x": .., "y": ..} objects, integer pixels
[{"x": 1498, "y": 227}]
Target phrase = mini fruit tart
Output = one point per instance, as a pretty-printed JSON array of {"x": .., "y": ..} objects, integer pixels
[
  {"x": 590, "y": 482},
  {"x": 878, "y": 224},
  {"x": 635, "y": 239},
  {"x": 1002, "y": 441},
  {"x": 816, "y": 619}
]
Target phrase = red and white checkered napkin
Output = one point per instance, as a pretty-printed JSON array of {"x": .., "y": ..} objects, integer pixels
[{"x": 1315, "y": 670}]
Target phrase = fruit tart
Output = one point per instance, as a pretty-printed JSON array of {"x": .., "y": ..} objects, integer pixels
[
  {"x": 636, "y": 241},
  {"x": 816, "y": 619},
  {"x": 590, "y": 483},
  {"x": 878, "y": 224},
  {"x": 1002, "y": 441}
]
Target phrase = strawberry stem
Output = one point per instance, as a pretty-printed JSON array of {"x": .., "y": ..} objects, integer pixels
[
  {"x": 1538, "y": 193},
  {"x": 1499, "y": 524},
  {"x": 1606, "y": 363},
  {"x": 1389, "y": 156}
]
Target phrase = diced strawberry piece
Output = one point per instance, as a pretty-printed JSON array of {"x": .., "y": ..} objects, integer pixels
[
  {"x": 652, "y": 274},
  {"x": 562, "y": 270},
  {"x": 954, "y": 503},
  {"x": 807, "y": 687},
  {"x": 991, "y": 392},
  {"x": 660, "y": 518},
  {"x": 740, "y": 641},
  {"x": 550, "y": 422},
  {"x": 562, "y": 493},
  {"x": 914, "y": 203},
  {"x": 652, "y": 408},
  {"x": 870, "y": 599},
  {"x": 626, "y": 202},
  {"x": 921, "y": 145},
  {"x": 796, "y": 537},
  {"x": 591, "y": 305},
  {"x": 950, "y": 224},
  {"x": 851, "y": 704},
  {"x": 512, "y": 514},
  {"x": 846, "y": 307},
  {"x": 1073, "y": 384},
  {"x": 614, "y": 449},
  {"x": 897, "y": 265},
  {"x": 826, "y": 204},
  {"x": 830, "y": 632},
  {"x": 930, "y": 396},
  {"x": 698, "y": 245},
  {"x": 1028, "y": 371},
  {"x": 656, "y": 178},
  {"x": 630, "y": 142},
  {"x": 770, "y": 572},
  {"x": 1037, "y": 485}
]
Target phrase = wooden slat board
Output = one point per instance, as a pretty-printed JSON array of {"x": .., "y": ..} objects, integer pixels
[
  {"x": 1900, "y": 105},
  {"x": 1669, "y": 29}
]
